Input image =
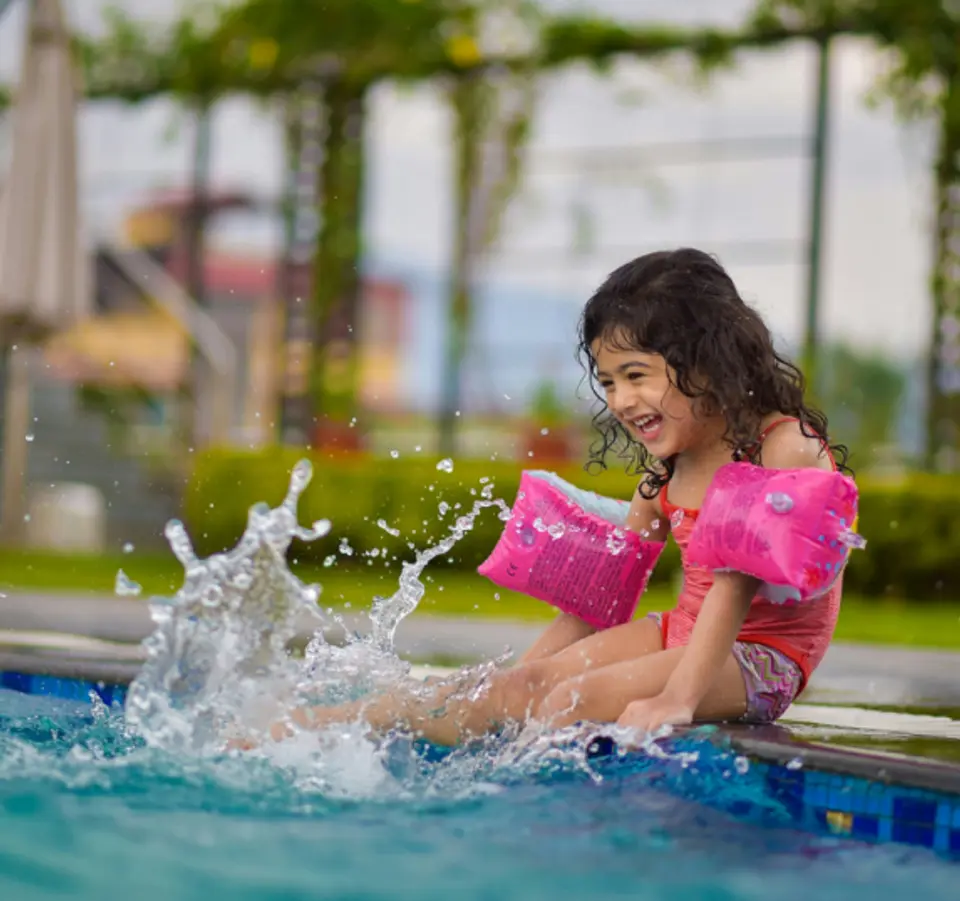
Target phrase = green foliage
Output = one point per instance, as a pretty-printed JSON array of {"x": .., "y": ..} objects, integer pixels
[
  {"x": 919, "y": 35},
  {"x": 913, "y": 545},
  {"x": 546, "y": 408},
  {"x": 351, "y": 38},
  {"x": 860, "y": 393}
]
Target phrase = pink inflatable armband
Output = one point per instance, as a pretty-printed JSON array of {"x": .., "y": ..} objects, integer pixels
[
  {"x": 571, "y": 548},
  {"x": 791, "y": 528}
]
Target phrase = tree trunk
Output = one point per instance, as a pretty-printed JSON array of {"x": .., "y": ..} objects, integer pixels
[
  {"x": 469, "y": 130},
  {"x": 303, "y": 114},
  {"x": 943, "y": 364},
  {"x": 337, "y": 284}
]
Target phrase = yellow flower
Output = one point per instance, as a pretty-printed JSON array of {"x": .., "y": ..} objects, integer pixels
[
  {"x": 463, "y": 50},
  {"x": 263, "y": 53}
]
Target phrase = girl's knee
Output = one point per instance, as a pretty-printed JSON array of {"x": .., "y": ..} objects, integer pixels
[
  {"x": 566, "y": 698},
  {"x": 526, "y": 685}
]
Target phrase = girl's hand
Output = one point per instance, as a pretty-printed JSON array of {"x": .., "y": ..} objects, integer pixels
[
  {"x": 652, "y": 713},
  {"x": 278, "y": 732}
]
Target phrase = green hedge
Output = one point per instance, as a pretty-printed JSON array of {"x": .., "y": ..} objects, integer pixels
[{"x": 911, "y": 525}]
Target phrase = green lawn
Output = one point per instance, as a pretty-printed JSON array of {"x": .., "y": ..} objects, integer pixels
[{"x": 454, "y": 594}]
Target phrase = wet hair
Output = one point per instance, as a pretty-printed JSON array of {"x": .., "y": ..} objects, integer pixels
[{"x": 682, "y": 305}]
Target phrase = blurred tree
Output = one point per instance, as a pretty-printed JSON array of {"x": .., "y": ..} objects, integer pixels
[
  {"x": 270, "y": 47},
  {"x": 329, "y": 48},
  {"x": 492, "y": 113},
  {"x": 861, "y": 393},
  {"x": 922, "y": 77}
]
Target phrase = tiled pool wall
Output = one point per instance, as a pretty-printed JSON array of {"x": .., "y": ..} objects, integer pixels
[
  {"x": 814, "y": 800},
  {"x": 63, "y": 687},
  {"x": 865, "y": 809}
]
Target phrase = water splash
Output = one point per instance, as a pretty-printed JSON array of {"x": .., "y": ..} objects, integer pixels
[
  {"x": 220, "y": 641},
  {"x": 124, "y": 586},
  {"x": 219, "y": 663}
]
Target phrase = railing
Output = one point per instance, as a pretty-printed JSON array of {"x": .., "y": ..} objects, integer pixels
[{"x": 214, "y": 345}]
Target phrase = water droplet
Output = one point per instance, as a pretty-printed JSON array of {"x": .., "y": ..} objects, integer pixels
[
  {"x": 443, "y": 507},
  {"x": 395, "y": 454},
  {"x": 496, "y": 595},
  {"x": 417, "y": 448},
  {"x": 676, "y": 518},
  {"x": 29, "y": 437},
  {"x": 329, "y": 561},
  {"x": 779, "y": 502},
  {"x": 128, "y": 548},
  {"x": 544, "y": 431},
  {"x": 795, "y": 764},
  {"x": 320, "y": 528},
  {"x": 557, "y": 530},
  {"x": 445, "y": 465},
  {"x": 616, "y": 541},
  {"x": 124, "y": 586},
  {"x": 852, "y": 540},
  {"x": 742, "y": 765}
]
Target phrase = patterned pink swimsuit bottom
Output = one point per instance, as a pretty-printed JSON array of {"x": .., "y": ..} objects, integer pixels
[{"x": 772, "y": 680}]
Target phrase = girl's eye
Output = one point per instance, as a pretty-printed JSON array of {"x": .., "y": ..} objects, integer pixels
[{"x": 635, "y": 376}]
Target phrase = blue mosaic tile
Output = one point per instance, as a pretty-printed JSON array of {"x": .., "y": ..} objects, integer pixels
[
  {"x": 914, "y": 821},
  {"x": 865, "y": 827},
  {"x": 57, "y": 687},
  {"x": 944, "y": 814}
]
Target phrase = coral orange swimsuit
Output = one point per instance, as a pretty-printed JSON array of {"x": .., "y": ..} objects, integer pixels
[{"x": 773, "y": 636}]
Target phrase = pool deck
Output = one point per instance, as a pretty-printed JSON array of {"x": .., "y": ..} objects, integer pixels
[{"x": 885, "y": 698}]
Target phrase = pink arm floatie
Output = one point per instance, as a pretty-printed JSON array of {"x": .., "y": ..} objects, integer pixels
[
  {"x": 571, "y": 548},
  {"x": 791, "y": 528}
]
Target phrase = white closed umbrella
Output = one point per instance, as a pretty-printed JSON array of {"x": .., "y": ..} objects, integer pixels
[{"x": 44, "y": 283}]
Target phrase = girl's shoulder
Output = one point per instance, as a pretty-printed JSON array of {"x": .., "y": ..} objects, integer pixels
[
  {"x": 787, "y": 444},
  {"x": 646, "y": 516}
]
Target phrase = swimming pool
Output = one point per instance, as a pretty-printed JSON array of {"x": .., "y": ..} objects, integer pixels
[
  {"x": 87, "y": 811},
  {"x": 101, "y": 802}
]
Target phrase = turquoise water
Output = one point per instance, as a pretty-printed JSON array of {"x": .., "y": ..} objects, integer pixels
[
  {"x": 143, "y": 804},
  {"x": 88, "y": 811}
]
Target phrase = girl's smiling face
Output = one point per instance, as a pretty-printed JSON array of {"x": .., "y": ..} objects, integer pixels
[{"x": 639, "y": 390}]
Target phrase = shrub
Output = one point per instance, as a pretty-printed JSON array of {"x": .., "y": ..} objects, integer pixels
[{"x": 913, "y": 543}]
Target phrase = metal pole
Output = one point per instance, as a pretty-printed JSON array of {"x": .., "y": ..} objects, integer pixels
[{"x": 817, "y": 191}]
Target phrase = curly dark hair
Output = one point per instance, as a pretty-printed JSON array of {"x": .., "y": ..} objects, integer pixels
[{"x": 682, "y": 305}]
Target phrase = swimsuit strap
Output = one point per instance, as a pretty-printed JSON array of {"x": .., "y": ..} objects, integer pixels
[{"x": 784, "y": 419}]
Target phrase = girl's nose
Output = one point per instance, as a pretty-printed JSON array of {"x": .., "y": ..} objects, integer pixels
[{"x": 620, "y": 402}]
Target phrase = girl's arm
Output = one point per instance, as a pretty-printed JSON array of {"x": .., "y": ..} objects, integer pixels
[
  {"x": 724, "y": 608},
  {"x": 645, "y": 519}
]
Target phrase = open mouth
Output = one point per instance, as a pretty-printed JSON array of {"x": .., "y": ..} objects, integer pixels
[{"x": 647, "y": 425}]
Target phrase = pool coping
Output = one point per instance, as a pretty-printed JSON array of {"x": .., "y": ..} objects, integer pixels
[
  {"x": 776, "y": 744},
  {"x": 114, "y": 665}
]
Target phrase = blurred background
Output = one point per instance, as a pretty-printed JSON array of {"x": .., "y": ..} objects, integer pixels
[{"x": 362, "y": 230}]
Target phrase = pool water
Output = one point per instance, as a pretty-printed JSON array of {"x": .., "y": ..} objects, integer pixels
[{"x": 88, "y": 811}]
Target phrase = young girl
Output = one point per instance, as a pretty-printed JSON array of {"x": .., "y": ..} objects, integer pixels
[{"x": 690, "y": 380}]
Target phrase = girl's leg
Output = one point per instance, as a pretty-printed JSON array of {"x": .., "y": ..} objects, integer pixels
[
  {"x": 602, "y": 694},
  {"x": 450, "y": 712},
  {"x": 564, "y": 631}
]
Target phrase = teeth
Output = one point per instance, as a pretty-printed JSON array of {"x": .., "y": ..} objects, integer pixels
[{"x": 644, "y": 421}]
